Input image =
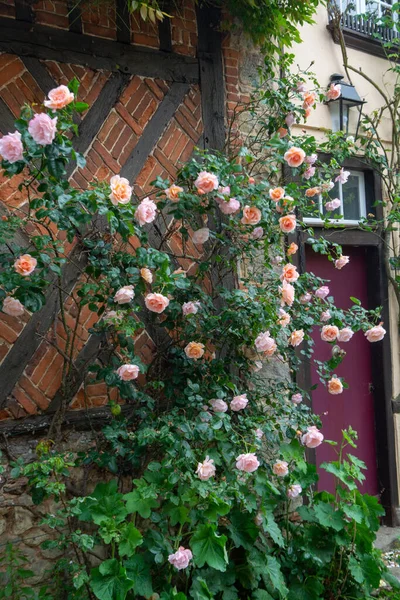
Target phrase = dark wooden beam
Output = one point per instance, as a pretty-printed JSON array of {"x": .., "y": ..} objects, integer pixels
[
  {"x": 211, "y": 76},
  {"x": 95, "y": 418},
  {"x": 23, "y": 10},
  {"x": 345, "y": 236},
  {"x": 48, "y": 43},
  {"x": 7, "y": 118},
  {"x": 74, "y": 16},
  {"x": 39, "y": 73},
  {"x": 123, "y": 21},
  {"x": 164, "y": 34}
]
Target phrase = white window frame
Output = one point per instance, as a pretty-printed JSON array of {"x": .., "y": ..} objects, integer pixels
[
  {"x": 361, "y": 6},
  {"x": 361, "y": 198}
]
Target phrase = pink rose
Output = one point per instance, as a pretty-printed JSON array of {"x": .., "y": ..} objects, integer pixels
[
  {"x": 124, "y": 295},
  {"x": 276, "y": 260},
  {"x": 259, "y": 434},
  {"x": 309, "y": 172},
  {"x": 156, "y": 302},
  {"x": 287, "y": 223},
  {"x": 375, "y": 334},
  {"x": 190, "y": 308},
  {"x": 310, "y": 160},
  {"x": 329, "y": 333},
  {"x": 225, "y": 191},
  {"x": 194, "y": 350},
  {"x": 265, "y": 343},
  {"x": 239, "y": 402},
  {"x": 230, "y": 207},
  {"x": 59, "y": 97},
  {"x": 247, "y": 462},
  {"x": 219, "y": 405},
  {"x": 328, "y": 186},
  {"x": 206, "y": 182},
  {"x": 296, "y": 398},
  {"x": 301, "y": 87},
  {"x": 43, "y": 129},
  {"x": 201, "y": 235},
  {"x": 284, "y": 318},
  {"x": 322, "y": 292},
  {"x": 335, "y": 386},
  {"x": 11, "y": 147},
  {"x": 305, "y": 298},
  {"x": 343, "y": 176},
  {"x": 290, "y": 119},
  {"x": 294, "y": 157},
  {"x": 276, "y": 194},
  {"x": 313, "y": 438},
  {"x": 325, "y": 316},
  {"x": 345, "y": 334},
  {"x": 341, "y": 262},
  {"x": 113, "y": 317},
  {"x": 332, "y": 204},
  {"x": 280, "y": 468},
  {"x": 296, "y": 337},
  {"x": 287, "y": 291},
  {"x": 289, "y": 273},
  {"x": 294, "y": 491},
  {"x": 12, "y": 307},
  {"x": 251, "y": 215},
  {"x": 25, "y": 265},
  {"x": 146, "y": 274},
  {"x": 206, "y": 469},
  {"x": 256, "y": 366},
  {"x": 173, "y": 192},
  {"x": 258, "y": 232},
  {"x": 128, "y": 372},
  {"x": 146, "y": 211},
  {"x": 121, "y": 191},
  {"x": 335, "y": 89},
  {"x": 181, "y": 558}
]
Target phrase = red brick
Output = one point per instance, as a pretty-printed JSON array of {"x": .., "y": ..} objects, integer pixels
[
  {"x": 163, "y": 160},
  {"x": 185, "y": 125},
  {"x": 36, "y": 359},
  {"x": 157, "y": 91},
  {"x": 55, "y": 20},
  {"x": 125, "y": 134},
  {"x": 36, "y": 395},
  {"x": 108, "y": 125},
  {"x": 26, "y": 403},
  {"x": 4, "y": 348},
  {"x": 110, "y": 162},
  {"x": 131, "y": 88},
  {"x": 51, "y": 373},
  {"x": 7, "y": 334},
  {"x": 124, "y": 113},
  {"x": 3, "y": 413},
  {"x": 10, "y": 71},
  {"x": 179, "y": 148},
  {"x": 104, "y": 32}
]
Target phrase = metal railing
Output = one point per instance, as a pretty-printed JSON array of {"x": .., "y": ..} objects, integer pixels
[{"x": 368, "y": 27}]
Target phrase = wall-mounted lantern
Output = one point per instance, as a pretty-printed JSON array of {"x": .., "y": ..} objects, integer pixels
[{"x": 346, "y": 109}]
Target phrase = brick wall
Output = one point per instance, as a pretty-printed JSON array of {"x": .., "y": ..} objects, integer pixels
[{"x": 106, "y": 155}]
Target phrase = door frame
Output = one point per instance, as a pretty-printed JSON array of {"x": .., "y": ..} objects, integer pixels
[{"x": 378, "y": 295}]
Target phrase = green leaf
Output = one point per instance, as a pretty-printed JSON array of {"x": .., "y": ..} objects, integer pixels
[
  {"x": 243, "y": 529},
  {"x": 139, "y": 572},
  {"x": 131, "y": 538},
  {"x": 135, "y": 502},
  {"x": 391, "y": 580},
  {"x": 276, "y": 576},
  {"x": 311, "y": 589},
  {"x": 80, "y": 106},
  {"x": 209, "y": 548},
  {"x": 354, "y": 512},
  {"x": 261, "y": 595},
  {"x": 356, "y": 570},
  {"x": 273, "y": 530},
  {"x": 200, "y": 591},
  {"x": 328, "y": 516},
  {"x": 110, "y": 582}
]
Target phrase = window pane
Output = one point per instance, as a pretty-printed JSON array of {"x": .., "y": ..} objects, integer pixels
[
  {"x": 312, "y": 210},
  {"x": 351, "y": 199},
  {"x": 334, "y": 193}
]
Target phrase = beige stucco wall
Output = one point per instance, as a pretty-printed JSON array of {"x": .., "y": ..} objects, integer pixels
[{"x": 318, "y": 46}]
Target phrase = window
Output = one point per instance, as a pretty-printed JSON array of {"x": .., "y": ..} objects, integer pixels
[{"x": 352, "y": 202}]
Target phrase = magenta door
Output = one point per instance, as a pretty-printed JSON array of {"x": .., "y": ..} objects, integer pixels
[{"x": 355, "y": 406}]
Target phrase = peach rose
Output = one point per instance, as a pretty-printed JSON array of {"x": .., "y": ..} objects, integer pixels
[
  {"x": 59, "y": 97},
  {"x": 200, "y": 236},
  {"x": 146, "y": 211},
  {"x": 25, "y": 265},
  {"x": 206, "y": 469},
  {"x": 294, "y": 491},
  {"x": 43, "y": 129},
  {"x": 282, "y": 132},
  {"x": 345, "y": 334},
  {"x": 341, "y": 262},
  {"x": 156, "y": 302},
  {"x": 219, "y": 405},
  {"x": 247, "y": 462},
  {"x": 294, "y": 157},
  {"x": 11, "y": 147},
  {"x": 284, "y": 318},
  {"x": 335, "y": 386},
  {"x": 280, "y": 468},
  {"x": 311, "y": 192},
  {"x": 194, "y": 350},
  {"x": 313, "y": 438},
  {"x": 375, "y": 334},
  {"x": 252, "y": 180},
  {"x": 307, "y": 113},
  {"x": 12, "y": 307},
  {"x": 251, "y": 215},
  {"x": 206, "y": 182},
  {"x": 239, "y": 402},
  {"x": 146, "y": 274},
  {"x": 181, "y": 559},
  {"x": 335, "y": 89},
  {"x": 121, "y": 191},
  {"x": 287, "y": 292},
  {"x": 329, "y": 333},
  {"x": 276, "y": 194},
  {"x": 292, "y": 249},
  {"x": 289, "y": 273},
  {"x": 128, "y": 372},
  {"x": 124, "y": 295},
  {"x": 287, "y": 223},
  {"x": 296, "y": 337},
  {"x": 309, "y": 99},
  {"x": 173, "y": 192}
]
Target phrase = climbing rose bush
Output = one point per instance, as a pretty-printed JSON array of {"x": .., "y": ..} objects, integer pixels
[{"x": 203, "y": 466}]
